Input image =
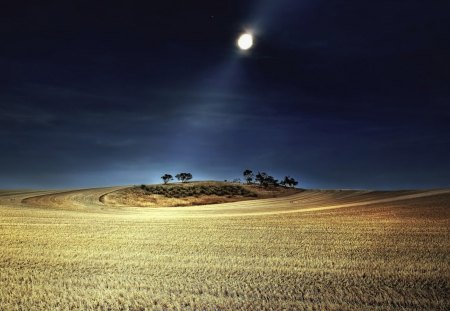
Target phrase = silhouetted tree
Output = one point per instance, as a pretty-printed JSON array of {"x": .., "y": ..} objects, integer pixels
[
  {"x": 260, "y": 177},
  {"x": 178, "y": 176},
  {"x": 188, "y": 177},
  {"x": 183, "y": 177},
  {"x": 293, "y": 182},
  {"x": 265, "y": 180},
  {"x": 270, "y": 181},
  {"x": 166, "y": 178},
  {"x": 289, "y": 182},
  {"x": 248, "y": 176}
]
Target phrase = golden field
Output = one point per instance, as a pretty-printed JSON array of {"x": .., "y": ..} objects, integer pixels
[{"x": 314, "y": 250}]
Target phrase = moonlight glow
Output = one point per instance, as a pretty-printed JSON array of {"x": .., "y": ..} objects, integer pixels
[{"x": 245, "y": 41}]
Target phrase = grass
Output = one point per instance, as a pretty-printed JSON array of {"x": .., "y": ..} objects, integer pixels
[
  {"x": 374, "y": 256},
  {"x": 177, "y": 191}
]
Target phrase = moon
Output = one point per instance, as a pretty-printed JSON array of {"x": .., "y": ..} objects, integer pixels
[{"x": 245, "y": 41}]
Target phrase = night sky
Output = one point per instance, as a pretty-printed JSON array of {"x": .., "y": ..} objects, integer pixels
[{"x": 338, "y": 94}]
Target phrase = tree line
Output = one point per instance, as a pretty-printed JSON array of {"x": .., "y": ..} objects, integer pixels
[
  {"x": 261, "y": 178},
  {"x": 265, "y": 180}
]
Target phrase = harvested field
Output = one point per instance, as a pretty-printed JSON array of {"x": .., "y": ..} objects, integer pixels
[{"x": 314, "y": 250}]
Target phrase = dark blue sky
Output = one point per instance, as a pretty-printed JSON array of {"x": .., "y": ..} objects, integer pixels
[{"x": 338, "y": 94}]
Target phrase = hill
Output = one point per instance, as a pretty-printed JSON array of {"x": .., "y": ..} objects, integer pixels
[{"x": 192, "y": 193}]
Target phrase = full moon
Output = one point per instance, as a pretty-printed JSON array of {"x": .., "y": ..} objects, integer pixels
[{"x": 245, "y": 41}]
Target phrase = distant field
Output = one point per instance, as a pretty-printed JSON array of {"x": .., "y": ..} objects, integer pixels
[{"x": 314, "y": 250}]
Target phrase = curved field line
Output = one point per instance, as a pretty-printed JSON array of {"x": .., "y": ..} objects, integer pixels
[
  {"x": 283, "y": 205},
  {"x": 376, "y": 201},
  {"x": 70, "y": 199},
  {"x": 90, "y": 200}
]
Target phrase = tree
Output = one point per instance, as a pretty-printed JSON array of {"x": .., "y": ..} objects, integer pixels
[
  {"x": 166, "y": 178},
  {"x": 248, "y": 176},
  {"x": 183, "y": 177},
  {"x": 266, "y": 180},
  {"x": 260, "y": 178},
  {"x": 289, "y": 182},
  {"x": 270, "y": 181},
  {"x": 293, "y": 182},
  {"x": 187, "y": 176}
]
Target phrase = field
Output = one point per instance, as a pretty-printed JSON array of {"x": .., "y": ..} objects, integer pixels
[{"x": 314, "y": 250}]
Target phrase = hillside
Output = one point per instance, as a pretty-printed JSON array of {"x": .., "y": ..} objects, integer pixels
[{"x": 192, "y": 193}]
